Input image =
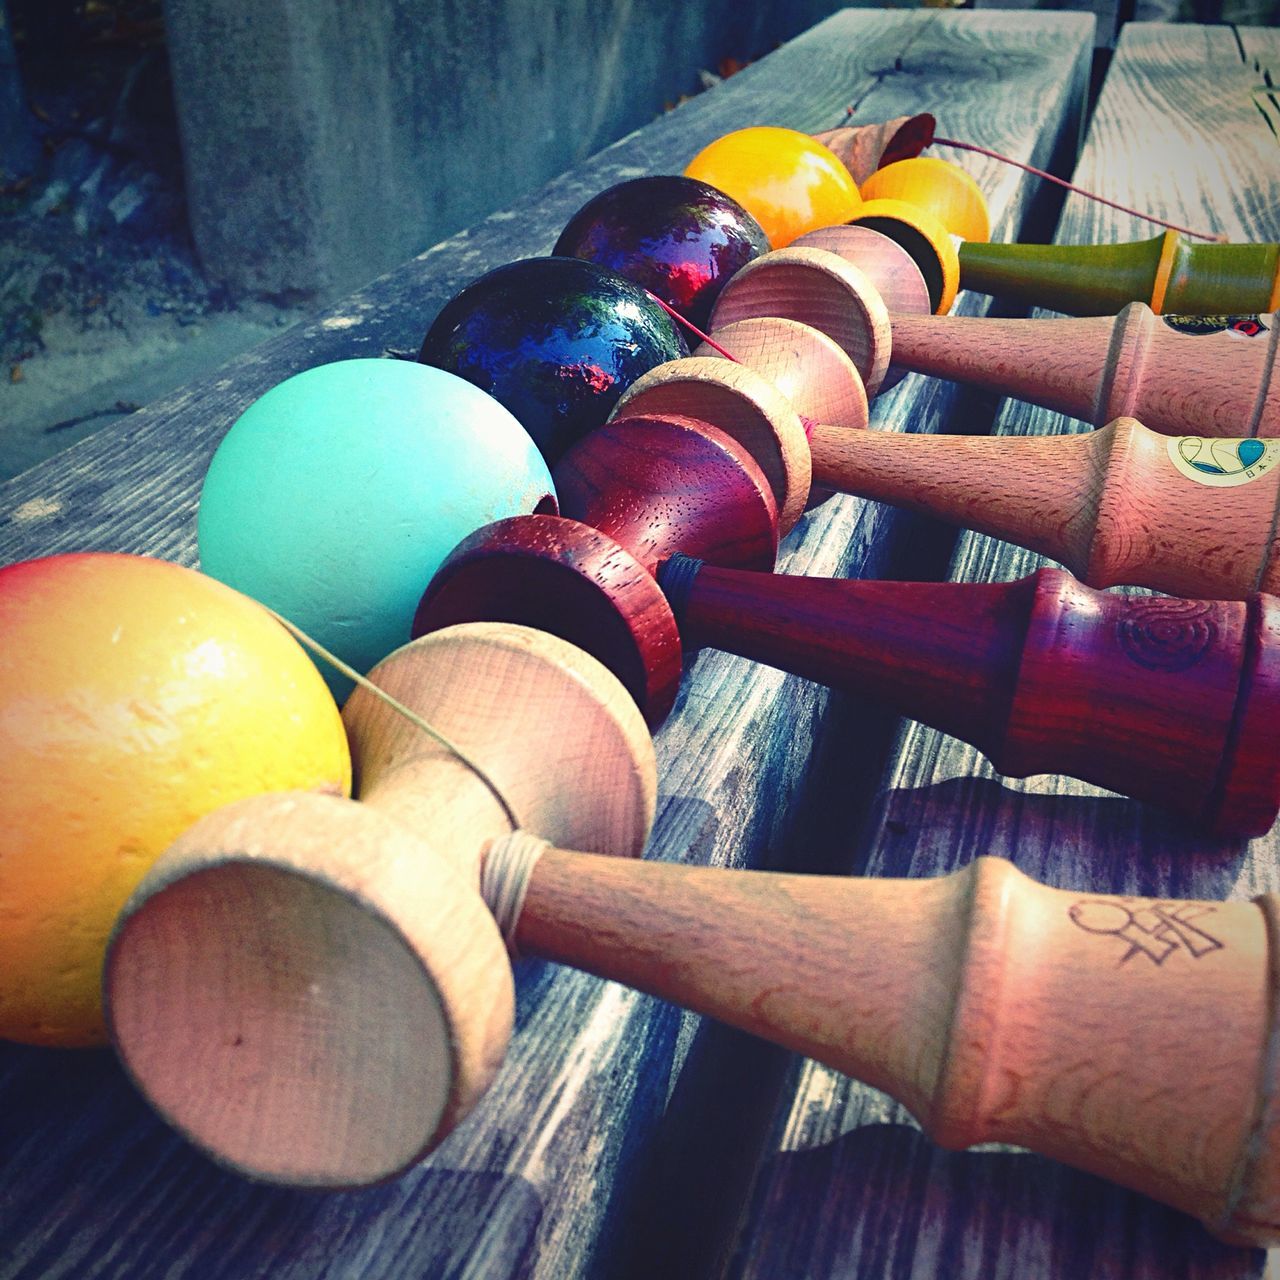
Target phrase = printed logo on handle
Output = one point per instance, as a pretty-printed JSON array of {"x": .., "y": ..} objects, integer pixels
[
  {"x": 1235, "y": 326},
  {"x": 1222, "y": 464}
]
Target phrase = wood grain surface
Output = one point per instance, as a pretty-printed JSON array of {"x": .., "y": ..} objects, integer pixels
[
  {"x": 620, "y": 1137},
  {"x": 860, "y": 1190}
]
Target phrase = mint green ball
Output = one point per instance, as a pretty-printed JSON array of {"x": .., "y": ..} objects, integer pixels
[{"x": 336, "y": 495}]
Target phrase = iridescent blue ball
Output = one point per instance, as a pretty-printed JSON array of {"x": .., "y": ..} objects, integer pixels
[
  {"x": 678, "y": 237},
  {"x": 555, "y": 340}
]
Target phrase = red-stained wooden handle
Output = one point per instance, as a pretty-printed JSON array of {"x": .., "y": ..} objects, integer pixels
[{"x": 1171, "y": 701}]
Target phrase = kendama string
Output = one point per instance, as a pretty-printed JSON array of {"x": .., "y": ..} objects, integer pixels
[
  {"x": 412, "y": 716},
  {"x": 1080, "y": 191},
  {"x": 504, "y": 879},
  {"x": 807, "y": 423}
]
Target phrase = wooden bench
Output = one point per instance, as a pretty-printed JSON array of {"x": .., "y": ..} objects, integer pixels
[
  {"x": 1175, "y": 132},
  {"x": 623, "y": 1137}
]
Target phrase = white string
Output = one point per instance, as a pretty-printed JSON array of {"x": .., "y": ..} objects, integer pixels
[{"x": 504, "y": 879}]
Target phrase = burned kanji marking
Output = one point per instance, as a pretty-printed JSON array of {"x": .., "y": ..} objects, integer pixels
[{"x": 1154, "y": 929}]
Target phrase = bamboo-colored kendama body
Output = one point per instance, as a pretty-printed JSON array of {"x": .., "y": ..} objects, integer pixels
[
  {"x": 1176, "y": 380},
  {"x": 1191, "y": 516},
  {"x": 1170, "y": 273},
  {"x": 313, "y": 991},
  {"x": 309, "y": 987}
]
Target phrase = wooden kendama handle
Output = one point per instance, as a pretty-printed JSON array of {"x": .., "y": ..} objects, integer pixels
[
  {"x": 1200, "y": 378},
  {"x": 1184, "y": 514},
  {"x": 1172, "y": 701},
  {"x": 1169, "y": 272},
  {"x": 1130, "y": 1037}
]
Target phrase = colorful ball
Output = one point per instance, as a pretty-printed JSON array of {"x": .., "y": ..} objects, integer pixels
[
  {"x": 786, "y": 180},
  {"x": 941, "y": 188},
  {"x": 135, "y": 697},
  {"x": 336, "y": 495},
  {"x": 679, "y": 238},
  {"x": 555, "y": 340}
]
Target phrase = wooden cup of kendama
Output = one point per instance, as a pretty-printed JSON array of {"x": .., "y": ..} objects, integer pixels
[
  {"x": 310, "y": 988},
  {"x": 314, "y": 990},
  {"x": 1178, "y": 375},
  {"x": 629, "y": 497},
  {"x": 1189, "y": 515}
]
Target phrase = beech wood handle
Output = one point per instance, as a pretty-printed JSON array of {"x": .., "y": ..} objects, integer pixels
[
  {"x": 1130, "y": 1037},
  {"x": 1219, "y": 382},
  {"x": 1167, "y": 700},
  {"x": 1184, "y": 514}
]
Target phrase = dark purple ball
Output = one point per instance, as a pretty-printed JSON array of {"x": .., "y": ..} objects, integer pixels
[
  {"x": 678, "y": 237},
  {"x": 555, "y": 340}
]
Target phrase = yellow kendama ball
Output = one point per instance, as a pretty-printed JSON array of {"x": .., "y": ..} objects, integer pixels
[
  {"x": 938, "y": 186},
  {"x": 135, "y": 697},
  {"x": 786, "y": 180}
]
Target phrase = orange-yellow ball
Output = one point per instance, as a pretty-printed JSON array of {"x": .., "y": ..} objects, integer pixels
[
  {"x": 135, "y": 696},
  {"x": 786, "y": 180},
  {"x": 943, "y": 188}
]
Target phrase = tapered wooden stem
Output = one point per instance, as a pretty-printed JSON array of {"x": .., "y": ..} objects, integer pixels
[
  {"x": 1220, "y": 383},
  {"x": 1172, "y": 701},
  {"x": 1132, "y": 1038},
  {"x": 1186, "y": 515},
  {"x": 1169, "y": 272}
]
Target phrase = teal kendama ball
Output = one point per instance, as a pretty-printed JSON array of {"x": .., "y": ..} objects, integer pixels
[{"x": 335, "y": 496}]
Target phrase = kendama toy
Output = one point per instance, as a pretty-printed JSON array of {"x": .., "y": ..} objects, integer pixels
[
  {"x": 1170, "y": 272},
  {"x": 555, "y": 341},
  {"x": 1179, "y": 376},
  {"x": 314, "y": 990},
  {"x": 1190, "y": 515},
  {"x": 136, "y": 695},
  {"x": 335, "y": 491},
  {"x": 933, "y": 201}
]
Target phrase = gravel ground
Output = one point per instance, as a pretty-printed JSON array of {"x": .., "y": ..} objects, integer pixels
[{"x": 103, "y": 304}]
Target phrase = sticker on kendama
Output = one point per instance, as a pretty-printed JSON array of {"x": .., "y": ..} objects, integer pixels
[
  {"x": 1222, "y": 464},
  {"x": 1250, "y": 326}
]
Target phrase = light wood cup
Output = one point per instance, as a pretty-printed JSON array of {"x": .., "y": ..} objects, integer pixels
[{"x": 311, "y": 988}]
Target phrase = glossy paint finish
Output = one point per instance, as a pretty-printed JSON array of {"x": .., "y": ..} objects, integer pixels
[
  {"x": 677, "y": 237},
  {"x": 787, "y": 180},
  {"x": 555, "y": 340}
]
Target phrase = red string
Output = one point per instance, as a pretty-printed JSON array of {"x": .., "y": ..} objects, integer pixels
[
  {"x": 693, "y": 328},
  {"x": 1088, "y": 195},
  {"x": 807, "y": 423}
]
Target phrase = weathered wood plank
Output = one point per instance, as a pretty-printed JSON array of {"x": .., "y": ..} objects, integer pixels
[
  {"x": 539, "y": 1183},
  {"x": 861, "y": 1191}
]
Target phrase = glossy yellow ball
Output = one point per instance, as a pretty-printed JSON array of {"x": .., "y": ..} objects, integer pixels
[
  {"x": 135, "y": 697},
  {"x": 786, "y": 180},
  {"x": 938, "y": 186}
]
